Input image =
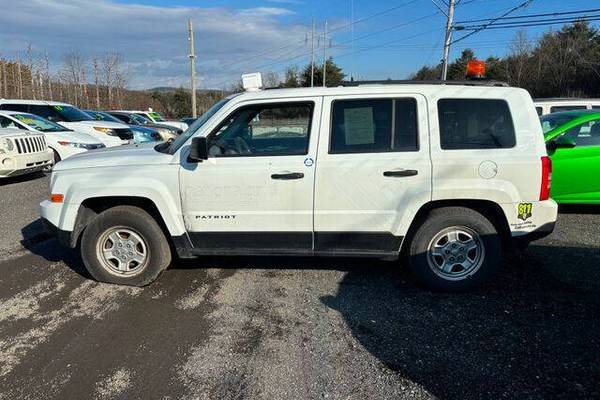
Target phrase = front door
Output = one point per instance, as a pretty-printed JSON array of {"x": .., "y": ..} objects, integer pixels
[
  {"x": 576, "y": 171},
  {"x": 373, "y": 167},
  {"x": 255, "y": 192}
]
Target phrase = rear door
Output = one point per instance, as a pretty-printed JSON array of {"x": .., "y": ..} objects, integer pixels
[{"x": 373, "y": 170}]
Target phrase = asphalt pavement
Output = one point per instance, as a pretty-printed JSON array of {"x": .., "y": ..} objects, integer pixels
[{"x": 295, "y": 328}]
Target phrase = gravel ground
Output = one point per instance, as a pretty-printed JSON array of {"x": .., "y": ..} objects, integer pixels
[{"x": 290, "y": 328}]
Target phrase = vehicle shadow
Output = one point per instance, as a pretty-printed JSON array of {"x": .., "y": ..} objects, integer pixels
[
  {"x": 579, "y": 209},
  {"x": 22, "y": 178},
  {"x": 531, "y": 333}
]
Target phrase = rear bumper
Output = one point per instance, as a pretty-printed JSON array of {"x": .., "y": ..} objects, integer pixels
[{"x": 539, "y": 233}]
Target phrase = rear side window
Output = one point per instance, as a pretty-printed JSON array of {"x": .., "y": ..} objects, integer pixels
[
  {"x": 595, "y": 107},
  {"x": 475, "y": 124},
  {"x": 14, "y": 107},
  {"x": 566, "y": 108},
  {"x": 539, "y": 111},
  {"x": 374, "y": 126}
]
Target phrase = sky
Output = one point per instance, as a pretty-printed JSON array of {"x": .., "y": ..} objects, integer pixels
[{"x": 370, "y": 39}]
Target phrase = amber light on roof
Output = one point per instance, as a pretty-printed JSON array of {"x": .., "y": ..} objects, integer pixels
[{"x": 475, "y": 69}]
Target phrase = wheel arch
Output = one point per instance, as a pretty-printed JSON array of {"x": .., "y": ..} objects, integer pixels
[
  {"x": 487, "y": 208},
  {"x": 92, "y": 207}
]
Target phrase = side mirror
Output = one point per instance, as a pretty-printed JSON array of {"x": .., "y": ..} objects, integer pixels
[
  {"x": 561, "y": 143},
  {"x": 198, "y": 150}
]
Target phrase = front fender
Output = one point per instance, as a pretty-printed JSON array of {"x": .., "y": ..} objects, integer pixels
[{"x": 159, "y": 184}]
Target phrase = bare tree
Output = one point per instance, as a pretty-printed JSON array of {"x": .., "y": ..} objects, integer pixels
[
  {"x": 113, "y": 75},
  {"x": 96, "y": 74},
  {"x": 272, "y": 79},
  {"x": 518, "y": 63},
  {"x": 73, "y": 73},
  {"x": 31, "y": 71},
  {"x": 45, "y": 62}
]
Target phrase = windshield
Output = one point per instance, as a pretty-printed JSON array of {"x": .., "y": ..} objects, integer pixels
[
  {"x": 156, "y": 116},
  {"x": 71, "y": 114},
  {"x": 102, "y": 116},
  {"x": 553, "y": 121},
  {"x": 181, "y": 139},
  {"x": 39, "y": 123},
  {"x": 139, "y": 119}
]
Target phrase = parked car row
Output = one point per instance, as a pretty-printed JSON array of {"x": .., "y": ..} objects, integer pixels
[{"x": 68, "y": 131}]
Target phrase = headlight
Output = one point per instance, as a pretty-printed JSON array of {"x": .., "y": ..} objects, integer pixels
[
  {"x": 108, "y": 131},
  {"x": 6, "y": 144},
  {"x": 86, "y": 146}
]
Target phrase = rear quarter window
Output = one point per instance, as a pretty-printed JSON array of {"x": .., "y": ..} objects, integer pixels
[{"x": 467, "y": 124}]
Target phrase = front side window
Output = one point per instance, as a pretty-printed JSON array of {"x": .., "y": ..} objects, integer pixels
[
  {"x": 9, "y": 123},
  {"x": 475, "y": 124},
  {"x": 585, "y": 135},
  {"x": 566, "y": 108},
  {"x": 374, "y": 126},
  {"x": 539, "y": 111},
  {"x": 264, "y": 130}
]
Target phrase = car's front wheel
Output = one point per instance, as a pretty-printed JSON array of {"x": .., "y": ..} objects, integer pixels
[
  {"x": 456, "y": 249},
  {"x": 124, "y": 245}
]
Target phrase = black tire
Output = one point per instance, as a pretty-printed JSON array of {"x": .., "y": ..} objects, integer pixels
[
  {"x": 464, "y": 218},
  {"x": 138, "y": 221}
]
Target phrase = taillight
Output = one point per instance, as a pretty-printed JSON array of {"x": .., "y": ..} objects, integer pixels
[{"x": 546, "y": 178}]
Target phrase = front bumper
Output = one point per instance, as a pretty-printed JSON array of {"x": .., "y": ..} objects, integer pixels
[{"x": 21, "y": 164}]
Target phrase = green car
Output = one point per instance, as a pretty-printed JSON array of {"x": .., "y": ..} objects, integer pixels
[{"x": 573, "y": 141}]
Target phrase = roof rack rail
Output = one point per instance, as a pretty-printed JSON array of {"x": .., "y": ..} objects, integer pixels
[{"x": 481, "y": 82}]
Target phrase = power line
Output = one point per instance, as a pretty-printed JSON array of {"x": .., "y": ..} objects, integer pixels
[
  {"x": 553, "y": 22},
  {"x": 530, "y": 16},
  {"x": 549, "y": 21},
  {"x": 516, "y": 8},
  {"x": 342, "y": 27}
]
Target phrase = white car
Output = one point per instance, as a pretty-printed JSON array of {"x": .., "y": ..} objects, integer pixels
[
  {"x": 552, "y": 105},
  {"x": 109, "y": 133},
  {"x": 62, "y": 141},
  {"x": 156, "y": 118},
  {"x": 443, "y": 176},
  {"x": 22, "y": 152}
]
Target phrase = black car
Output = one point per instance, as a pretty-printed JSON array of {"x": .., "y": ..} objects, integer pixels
[{"x": 167, "y": 132}]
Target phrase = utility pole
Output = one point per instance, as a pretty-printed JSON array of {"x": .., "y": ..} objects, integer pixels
[
  {"x": 325, "y": 56},
  {"x": 448, "y": 40},
  {"x": 312, "y": 57},
  {"x": 192, "y": 57}
]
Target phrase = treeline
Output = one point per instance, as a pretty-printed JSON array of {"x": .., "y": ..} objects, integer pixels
[{"x": 564, "y": 63}]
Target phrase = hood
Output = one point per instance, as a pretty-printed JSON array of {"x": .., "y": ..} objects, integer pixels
[
  {"x": 121, "y": 156},
  {"x": 163, "y": 126},
  {"x": 10, "y": 132},
  {"x": 101, "y": 124},
  {"x": 143, "y": 129},
  {"x": 73, "y": 136}
]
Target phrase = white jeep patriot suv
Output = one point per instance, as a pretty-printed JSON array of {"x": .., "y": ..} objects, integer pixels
[{"x": 444, "y": 176}]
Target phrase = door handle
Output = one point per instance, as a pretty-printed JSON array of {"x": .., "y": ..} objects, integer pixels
[
  {"x": 288, "y": 177},
  {"x": 401, "y": 173}
]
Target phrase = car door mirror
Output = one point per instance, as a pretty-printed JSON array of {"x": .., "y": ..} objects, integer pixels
[
  {"x": 562, "y": 143},
  {"x": 199, "y": 149}
]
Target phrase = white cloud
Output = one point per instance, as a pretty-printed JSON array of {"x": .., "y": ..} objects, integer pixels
[{"x": 151, "y": 39}]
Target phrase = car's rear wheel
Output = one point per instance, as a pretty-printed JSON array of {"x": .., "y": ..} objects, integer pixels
[
  {"x": 124, "y": 245},
  {"x": 455, "y": 249}
]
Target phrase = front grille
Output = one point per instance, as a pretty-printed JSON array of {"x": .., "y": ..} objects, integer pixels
[
  {"x": 124, "y": 134},
  {"x": 33, "y": 144}
]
